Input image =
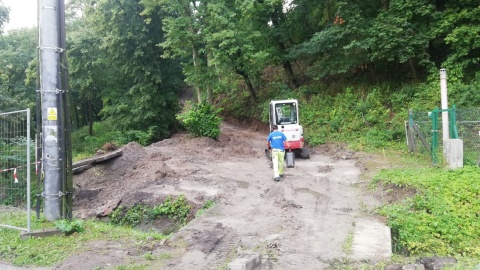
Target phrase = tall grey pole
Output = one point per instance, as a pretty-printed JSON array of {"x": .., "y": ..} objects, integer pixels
[{"x": 49, "y": 52}]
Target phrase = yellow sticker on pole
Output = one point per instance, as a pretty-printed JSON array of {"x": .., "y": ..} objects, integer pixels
[{"x": 52, "y": 114}]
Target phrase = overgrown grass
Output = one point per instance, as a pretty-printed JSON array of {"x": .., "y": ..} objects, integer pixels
[
  {"x": 442, "y": 218},
  {"x": 85, "y": 145},
  {"x": 52, "y": 250}
]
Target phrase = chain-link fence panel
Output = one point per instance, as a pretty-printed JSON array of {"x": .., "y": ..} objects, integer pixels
[
  {"x": 15, "y": 165},
  {"x": 425, "y": 133},
  {"x": 468, "y": 125}
]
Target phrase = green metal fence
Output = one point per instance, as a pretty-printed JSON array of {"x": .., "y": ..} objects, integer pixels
[{"x": 424, "y": 133}]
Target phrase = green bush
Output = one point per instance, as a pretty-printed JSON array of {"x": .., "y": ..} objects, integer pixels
[
  {"x": 131, "y": 217},
  {"x": 177, "y": 209},
  {"x": 142, "y": 137},
  {"x": 69, "y": 227},
  {"x": 201, "y": 120}
]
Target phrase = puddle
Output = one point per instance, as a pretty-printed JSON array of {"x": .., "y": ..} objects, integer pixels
[
  {"x": 309, "y": 191},
  {"x": 242, "y": 184}
]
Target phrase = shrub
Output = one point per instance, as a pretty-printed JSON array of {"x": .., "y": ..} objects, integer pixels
[
  {"x": 177, "y": 209},
  {"x": 201, "y": 120},
  {"x": 69, "y": 227}
]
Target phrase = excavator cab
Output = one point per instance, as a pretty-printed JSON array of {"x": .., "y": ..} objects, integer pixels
[{"x": 284, "y": 114}]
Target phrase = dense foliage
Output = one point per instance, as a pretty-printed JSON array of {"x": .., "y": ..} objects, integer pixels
[
  {"x": 442, "y": 218},
  {"x": 201, "y": 120},
  {"x": 17, "y": 55},
  {"x": 118, "y": 72}
]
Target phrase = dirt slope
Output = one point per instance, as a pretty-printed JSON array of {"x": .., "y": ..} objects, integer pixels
[{"x": 301, "y": 222}]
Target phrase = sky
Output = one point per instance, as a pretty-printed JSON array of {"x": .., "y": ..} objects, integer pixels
[{"x": 23, "y": 13}]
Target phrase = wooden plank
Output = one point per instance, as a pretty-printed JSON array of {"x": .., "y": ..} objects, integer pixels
[
  {"x": 95, "y": 160},
  {"x": 82, "y": 163},
  {"x": 107, "y": 156},
  {"x": 410, "y": 137},
  {"x": 80, "y": 169}
]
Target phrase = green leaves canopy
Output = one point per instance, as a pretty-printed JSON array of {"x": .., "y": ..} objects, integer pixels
[
  {"x": 17, "y": 57},
  {"x": 118, "y": 59}
]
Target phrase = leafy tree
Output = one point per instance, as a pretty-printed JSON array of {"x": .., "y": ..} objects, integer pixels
[
  {"x": 340, "y": 45},
  {"x": 88, "y": 73},
  {"x": 17, "y": 52},
  {"x": 138, "y": 88},
  {"x": 401, "y": 33},
  {"x": 219, "y": 40},
  {"x": 183, "y": 37},
  {"x": 235, "y": 41},
  {"x": 379, "y": 38},
  {"x": 459, "y": 25}
]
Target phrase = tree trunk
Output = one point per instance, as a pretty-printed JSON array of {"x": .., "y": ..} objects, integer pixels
[
  {"x": 195, "y": 65},
  {"x": 209, "y": 95},
  {"x": 250, "y": 87},
  {"x": 291, "y": 77},
  {"x": 275, "y": 18},
  {"x": 371, "y": 71},
  {"x": 90, "y": 119},
  {"x": 412, "y": 67},
  {"x": 209, "y": 68},
  {"x": 75, "y": 109}
]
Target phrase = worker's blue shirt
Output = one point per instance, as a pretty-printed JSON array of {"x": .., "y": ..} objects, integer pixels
[{"x": 276, "y": 139}]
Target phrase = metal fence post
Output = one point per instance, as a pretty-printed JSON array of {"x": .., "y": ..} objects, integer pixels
[
  {"x": 434, "y": 148},
  {"x": 453, "y": 123},
  {"x": 29, "y": 203},
  {"x": 410, "y": 136}
]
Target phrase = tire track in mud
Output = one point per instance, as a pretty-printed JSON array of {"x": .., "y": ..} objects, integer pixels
[
  {"x": 324, "y": 225},
  {"x": 300, "y": 222}
]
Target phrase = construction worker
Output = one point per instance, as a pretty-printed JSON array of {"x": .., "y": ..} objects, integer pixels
[{"x": 275, "y": 142}]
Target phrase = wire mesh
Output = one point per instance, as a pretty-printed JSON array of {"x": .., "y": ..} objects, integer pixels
[
  {"x": 468, "y": 127},
  {"x": 15, "y": 161}
]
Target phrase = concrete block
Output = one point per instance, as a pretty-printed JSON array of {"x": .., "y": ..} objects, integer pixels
[
  {"x": 246, "y": 262},
  {"x": 371, "y": 241},
  {"x": 454, "y": 153},
  {"x": 41, "y": 233}
]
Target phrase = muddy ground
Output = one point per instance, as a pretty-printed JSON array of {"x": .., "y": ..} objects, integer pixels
[{"x": 302, "y": 222}]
